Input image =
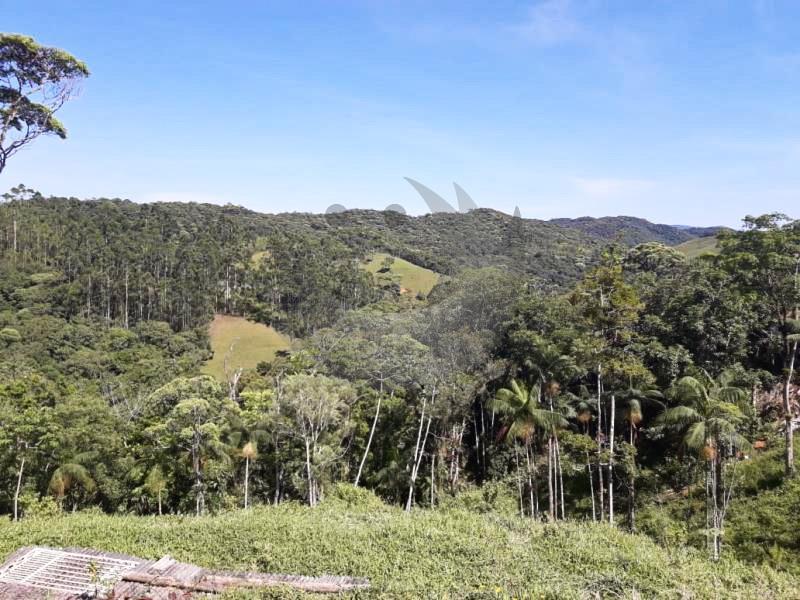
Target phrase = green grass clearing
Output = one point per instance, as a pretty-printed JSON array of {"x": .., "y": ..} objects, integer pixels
[
  {"x": 699, "y": 246},
  {"x": 410, "y": 277},
  {"x": 252, "y": 344}
]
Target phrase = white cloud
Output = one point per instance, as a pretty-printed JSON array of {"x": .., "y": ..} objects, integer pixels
[
  {"x": 612, "y": 187},
  {"x": 551, "y": 22}
]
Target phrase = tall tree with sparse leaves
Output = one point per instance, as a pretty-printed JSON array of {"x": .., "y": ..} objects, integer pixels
[{"x": 35, "y": 82}]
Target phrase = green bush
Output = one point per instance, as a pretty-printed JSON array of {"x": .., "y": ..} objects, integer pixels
[
  {"x": 764, "y": 528},
  {"x": 493, "y": 497},
  {"x": 352, "y": 497},
  {"x": 660, "y": 524},
  {"x": 33, "y": 506}
]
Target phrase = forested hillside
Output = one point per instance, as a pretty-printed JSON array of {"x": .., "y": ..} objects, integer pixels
[
  {"x": 551, "y": 373},
  {"x": 179, "y": 263},
  {"x": 632, "y": 231}
]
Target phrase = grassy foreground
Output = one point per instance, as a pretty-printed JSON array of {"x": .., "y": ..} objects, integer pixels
[
  {"x": 252, "y": 344},
  {"x": 442, "y": 554}
]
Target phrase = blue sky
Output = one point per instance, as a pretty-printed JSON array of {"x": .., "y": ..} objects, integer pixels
[{"x": 679, "y": 112}]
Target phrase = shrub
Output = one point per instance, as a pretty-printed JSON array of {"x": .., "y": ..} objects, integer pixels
[
  {"x": 658, "y": 523},
  {"x": 34, "y": 507},
  {"x": 350, "y": 496},
  {"x": 493, "y": 497}
]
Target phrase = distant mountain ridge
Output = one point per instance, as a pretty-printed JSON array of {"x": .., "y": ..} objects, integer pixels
[
  {"x": 633, "y": 230},
  {"x": 557, "y": 251}
]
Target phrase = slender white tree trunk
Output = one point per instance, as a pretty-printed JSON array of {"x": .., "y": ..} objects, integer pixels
[
  {"x": 591, "y": 486},
  {"x": 126, "y": 298},
  {"x": 560, "y": 478},
  {"x": 611, "y": 461},
  {"x": 371, "y": 434},
  {"x": 787, "y": 414},
  {"x": 19, "y": 487},
  {"x": 550, "y": 486},
  {"x": 415, "y": 471},
  {"x": 530, "y": 477},
  {"x": 309, "y": 476},
  {"x": 246, "y": 480},
  {"x": 601, "y": 488},
  {"x": 519, "y": 482},
  {"x": 433, "y": 478}
]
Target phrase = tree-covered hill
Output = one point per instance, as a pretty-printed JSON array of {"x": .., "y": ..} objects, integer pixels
[
  {"x": 632, "y": 230},
  {"x": 180, "y": 263},
  {"x": 549, "y": 369}
]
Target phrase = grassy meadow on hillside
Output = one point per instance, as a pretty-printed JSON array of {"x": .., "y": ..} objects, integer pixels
[
  {"x": 252, "y": 344},
  {"x": 699, "y": 247},
  {"x": 443, "y": 553},
  {"x": 415, "y": 279}
]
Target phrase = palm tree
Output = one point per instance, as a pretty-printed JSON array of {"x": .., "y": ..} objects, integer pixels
[
  {"x": 583, "y": 408},
  {"x": 156, "y": 484},
  {"x": 253, "y": 435},
  {"x": 520, "y": 405},
  {"x": 551, "y": 367},
  {"x": 65, "y": 479},
  {"x": 708, "y": 419},
  {"x": 633, "y": 400},
  {"x": 249, "y": 452}
]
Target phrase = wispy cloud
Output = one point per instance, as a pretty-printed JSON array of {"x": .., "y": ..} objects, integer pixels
[{"x": 550, "y": 23}]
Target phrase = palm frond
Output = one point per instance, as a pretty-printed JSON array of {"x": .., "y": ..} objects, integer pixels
[
  {"x": 695, "y": 437},
  {"x": 679, "y": 415}
]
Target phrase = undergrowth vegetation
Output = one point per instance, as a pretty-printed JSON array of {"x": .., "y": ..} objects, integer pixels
[{"x": 443, "y": 553}]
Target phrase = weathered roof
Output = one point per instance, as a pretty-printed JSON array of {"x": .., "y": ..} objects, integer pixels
[
  {"x": 35, "y": 573},
  {"x": 60, "y": 574}
]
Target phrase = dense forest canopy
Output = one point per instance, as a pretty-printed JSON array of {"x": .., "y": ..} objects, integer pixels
[{"x": 568, "y": 370}]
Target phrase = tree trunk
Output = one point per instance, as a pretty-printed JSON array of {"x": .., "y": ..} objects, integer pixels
[
  {"x": 714, "y": 509},
  {"x": 415, "y": 470},
  {"x": 550, "y": 497},
  {"x": 709, "y": 523},
  {"x": 591, "y": 486},
  {"x": 599, "y": 436},
  {"x": 246, "y": 480},
  {"x": 611, "y": 461},
  {"x": 19, "y": 487},
  {"x": 414, "y": 460},
  {"x": 309, "y": 476},
  {"x": 632, "y": 487},
  {"x": 560, "y": 477},
  {"x": 159, "y": 503},
  {"x": 126, "y": 298},
  {"x": 530, "y": 478},
  {"x": 433, "y": 478},
  {"x": 371, "y": 434},
  {"x": 519, "y": 482},
  {"x": 787, "y": 414},
  {"x": 198, "y": 482}
]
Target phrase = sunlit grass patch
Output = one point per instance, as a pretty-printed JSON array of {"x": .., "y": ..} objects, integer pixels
[
  {"x": 411, "y": 278},
  {"x": 252, "y": 343}
]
